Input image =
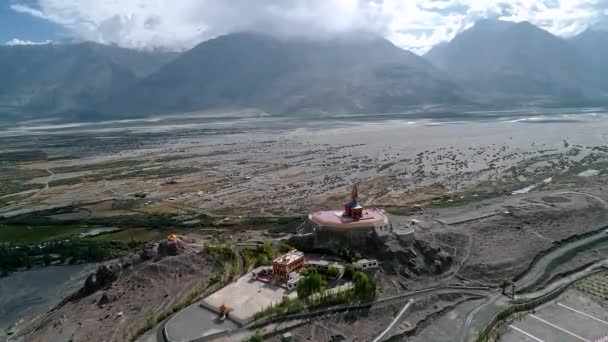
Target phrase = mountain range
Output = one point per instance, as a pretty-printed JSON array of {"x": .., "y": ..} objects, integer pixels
[
  {"x": 521, "y": 62},
  {"x": 492, "y": 64},
  {"x": 344, "y": 74},
  {"x": 38, "y": 80}
]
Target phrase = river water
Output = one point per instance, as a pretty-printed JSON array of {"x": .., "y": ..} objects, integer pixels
[
  {"x": 263, "y": 122},
  {"x": 33, "y": 292}
]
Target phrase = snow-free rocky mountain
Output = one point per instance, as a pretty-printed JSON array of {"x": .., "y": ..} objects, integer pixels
[{"x": 493, "y": 63}]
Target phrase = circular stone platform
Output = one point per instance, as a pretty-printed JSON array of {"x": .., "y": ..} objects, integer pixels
[{"x": 334, "y": 219}]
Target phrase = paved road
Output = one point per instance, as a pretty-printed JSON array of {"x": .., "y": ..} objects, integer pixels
[
  {"x": 475, "y": 291},
  {"x": 539, "y": 269},
  {"x": 534, "y": 274},
  {"x": 571, "y": 278}
]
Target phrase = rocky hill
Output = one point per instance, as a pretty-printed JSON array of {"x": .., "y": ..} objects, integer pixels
[{"x": 124, "y": 295}]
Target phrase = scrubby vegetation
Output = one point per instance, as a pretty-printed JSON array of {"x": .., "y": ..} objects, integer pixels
[
  {"x": 36, "y": 239},
  {"x": 313, "y": 294},
  {"x": 225, "y": 254},
  {"x": 364, "y": 286},
  {"x": 259, "y": 256},
  {"x": 38, "y": 234},
  {"x": 14, "y": 255},
  {"x": 311, "y": 282},
  {"x": 257, "y": 337},
  {"x": 348, "y": 255},
  {"x": 45, "y": 218},
  {"x": 349, "y": 271}
]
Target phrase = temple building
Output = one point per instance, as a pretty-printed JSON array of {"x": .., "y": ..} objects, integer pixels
[{"x": 283, "y": 266}]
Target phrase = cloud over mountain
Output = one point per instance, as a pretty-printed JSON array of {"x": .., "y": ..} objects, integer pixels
[
  {"x": 16, "y": 41},
  {"x": 412, "y": 24}
]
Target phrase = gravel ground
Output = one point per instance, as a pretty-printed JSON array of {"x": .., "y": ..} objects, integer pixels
[{"x": 505, "y": 244}]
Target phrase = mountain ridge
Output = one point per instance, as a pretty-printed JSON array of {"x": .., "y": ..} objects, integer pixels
[
  {"x": 518, "y": 60},
  {"x": 55, "y": 78},
  {"x": 493, "y": 64},
  {"x": 290, "y": 76}
]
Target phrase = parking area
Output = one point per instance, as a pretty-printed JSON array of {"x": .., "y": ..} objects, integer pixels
[
  {"x": 573, "y": 317},
  {"x": 246, "y": 296}
]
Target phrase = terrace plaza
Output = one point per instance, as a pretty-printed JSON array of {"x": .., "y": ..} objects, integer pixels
[{"x": 245, "y": 297}]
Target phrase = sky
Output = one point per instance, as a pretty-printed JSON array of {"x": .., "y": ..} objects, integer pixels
[{"x": 415, "y": 25}]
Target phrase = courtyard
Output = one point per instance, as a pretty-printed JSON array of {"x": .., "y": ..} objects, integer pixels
[{"x": 245, "y": 297}]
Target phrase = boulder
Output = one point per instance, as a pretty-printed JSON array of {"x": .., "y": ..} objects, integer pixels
[
  {"x": 103, "y": 300},
  {"x": 147, "y": 252}
]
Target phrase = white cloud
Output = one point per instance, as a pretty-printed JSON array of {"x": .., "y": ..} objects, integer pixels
[
  {"x": 412, "y": 24},
  {"x": 16, "y": 41}
]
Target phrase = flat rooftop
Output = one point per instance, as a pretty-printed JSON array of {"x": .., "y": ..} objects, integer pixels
[
  {"x": 334, "y": 219},
  {"x": 288, "y": 258}
]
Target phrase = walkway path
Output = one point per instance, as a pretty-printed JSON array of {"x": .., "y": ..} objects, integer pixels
[{"x": 395, "y": 320}]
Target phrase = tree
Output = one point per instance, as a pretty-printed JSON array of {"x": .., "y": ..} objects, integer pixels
[
  {"x": 257, "y": 337},
  {"x": 345, "y": 254},
  {"x": 284, "y": 248},
  {"x": 262, "y": 260},
  {"x": 47, "y": 259},
  {"x": 310, "y": 284},
  {"x": 504, "y": 283},
  {"x": 349, "y": 271},
  {"x": 364, "y": 286},
  {"x": 332, "y": 271},
  {"x": 268, "y": 250}
]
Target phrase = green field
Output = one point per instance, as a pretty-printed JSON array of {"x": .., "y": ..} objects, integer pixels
[
  {"x": 34, "y": 234},
  {"x": 137, "y": 234}
]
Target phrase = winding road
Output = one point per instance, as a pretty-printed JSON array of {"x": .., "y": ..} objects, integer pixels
[
  {"x": 532, "y": 276},
  {"x": 538, "y": 270}
]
